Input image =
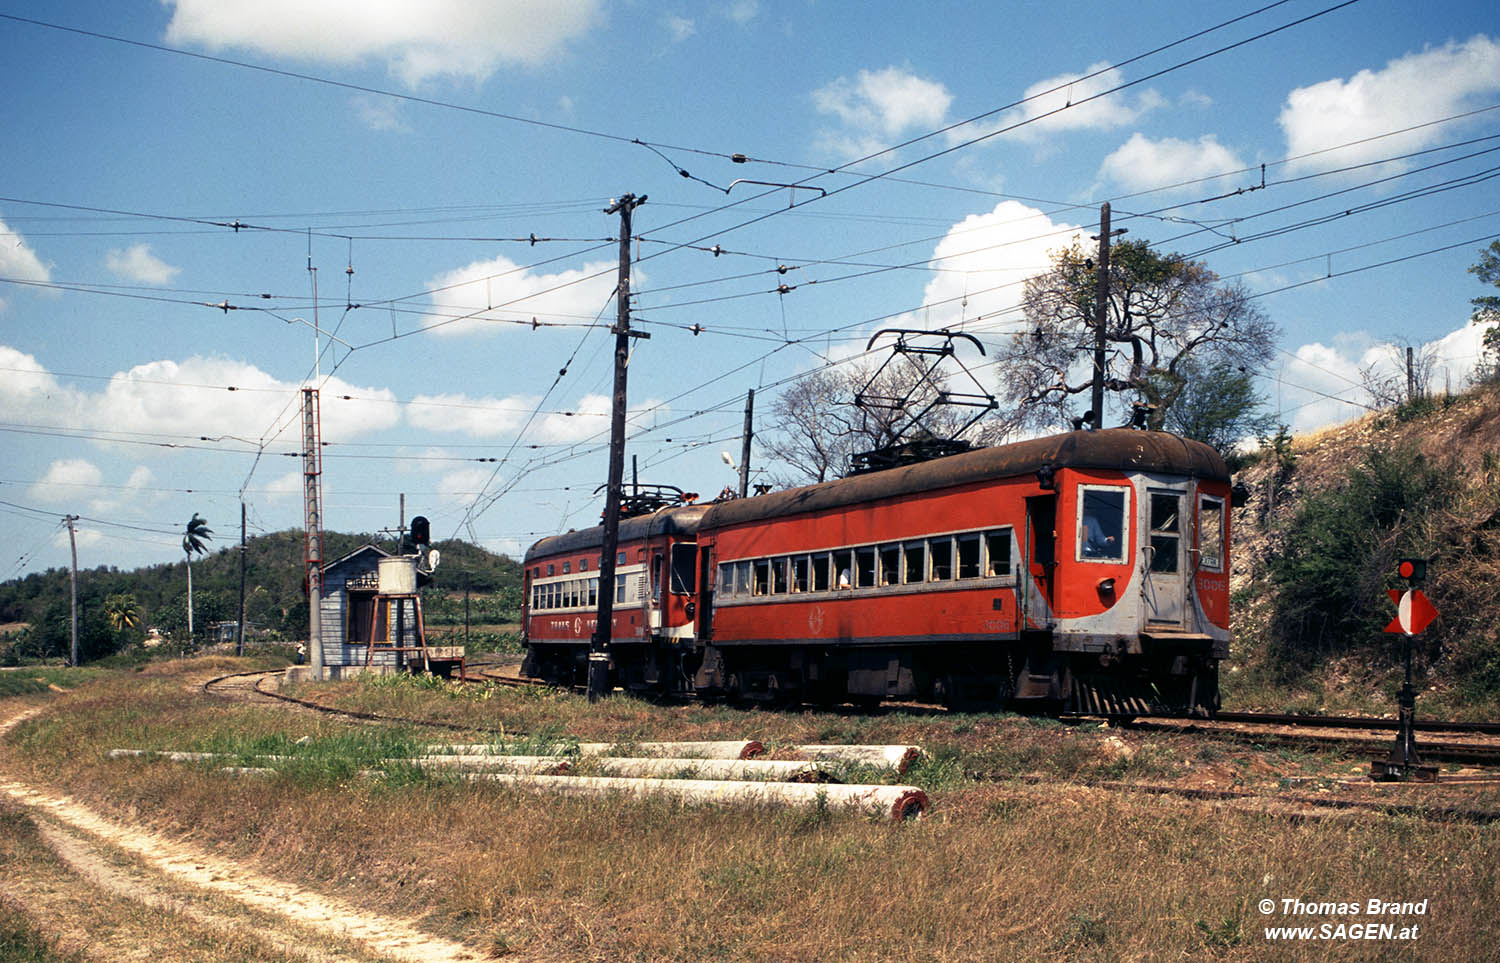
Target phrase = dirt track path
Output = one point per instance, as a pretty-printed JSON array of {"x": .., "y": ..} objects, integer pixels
[{"x": 164, "y": 874}]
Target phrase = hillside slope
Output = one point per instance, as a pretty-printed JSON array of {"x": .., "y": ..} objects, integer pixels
[{"x": 1315, "y": 552}]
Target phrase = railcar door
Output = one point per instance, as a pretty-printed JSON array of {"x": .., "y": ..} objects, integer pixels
[
  {"x": 1164, "y": 585},
  {"x": 1041, "y": 561}
]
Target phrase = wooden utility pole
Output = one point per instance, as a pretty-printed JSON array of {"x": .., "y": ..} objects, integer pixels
[
  {"x": 598, "y": 673},
  {"x": 1101, "y": 317},
  {"x": 745, "y": 445},
  {"x": 73, "y": 587}
]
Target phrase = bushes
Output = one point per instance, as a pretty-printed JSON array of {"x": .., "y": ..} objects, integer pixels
[{"x": 1342, "y": 545}]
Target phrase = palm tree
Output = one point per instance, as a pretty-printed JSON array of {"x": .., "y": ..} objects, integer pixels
[
  {"x": 193, "y": 540},
  {"x": 123, "y": 611}
]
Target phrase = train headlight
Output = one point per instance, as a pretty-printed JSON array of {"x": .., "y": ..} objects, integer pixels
[{"x": 1106, "y": 586}]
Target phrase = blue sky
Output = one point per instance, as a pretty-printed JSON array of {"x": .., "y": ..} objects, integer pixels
[{"x": 421, "y": 146}]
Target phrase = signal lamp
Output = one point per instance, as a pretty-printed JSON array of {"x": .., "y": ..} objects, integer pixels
[{"x": 1412, "y": 569}]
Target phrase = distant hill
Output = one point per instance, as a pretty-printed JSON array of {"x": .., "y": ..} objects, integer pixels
[
  {"x": 274, "y": 597},
  {"x": 1315, "y": 552}
]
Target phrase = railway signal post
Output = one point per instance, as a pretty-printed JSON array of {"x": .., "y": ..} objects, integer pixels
[{"x": 1413, "y": 614}]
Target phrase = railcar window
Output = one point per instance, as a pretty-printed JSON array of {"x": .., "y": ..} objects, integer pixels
[
  {"x": 620, "y": 581},
  {"x": 1101, "y": 531},
  {"x": 583, "y": 565},
  {"x": 742, "y": 578},
  {"x": 684, "y": 568},
  {"x": 968, "y": 556},
  {"x": 1166, "y": 527},
  {"x": 1211, "y": 534},
  {"x": 567, "y": 568},
  {"x": 778, "y": 576},
  {"x": 726, "y": 580},
  {"x": 843, "y": 563},
  {"x": 890, "y": 565},
  {"x": 915, "y": 557},
  {"x": 997, "y": 552},
  {"x": 864, "y": 563},
  {"x": 941, "y": 551},
  {"x": 761, "y": 570},
  {"x": 658, "y": 562},
  {"x": 799, "y": 574},
  {"x": 820, "y": 566},
  {"x": 593, "y": 591},
  {"x": 551, "y": 570}
]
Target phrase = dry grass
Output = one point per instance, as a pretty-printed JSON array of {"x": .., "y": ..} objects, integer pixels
[{"x": 1004, "y": 867}]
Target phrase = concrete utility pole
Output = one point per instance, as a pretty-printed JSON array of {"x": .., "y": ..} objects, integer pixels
[
  {"x": 598, "y": 676},
  {"x": 312, "y": 471},
  {"x": 239, "y": 638},
  {"x": 745, "y": 446},
  {"x": 73, "y": 586},
  {"x": 1101, "y": 317}
]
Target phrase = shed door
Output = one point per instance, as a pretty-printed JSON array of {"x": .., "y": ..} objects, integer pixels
[{"x": 1163, "y": 586}]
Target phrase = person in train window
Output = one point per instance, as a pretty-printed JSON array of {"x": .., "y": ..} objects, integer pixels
[
  {"x": 1103, "y": 522},
  {"x": 844, "y": 579}
]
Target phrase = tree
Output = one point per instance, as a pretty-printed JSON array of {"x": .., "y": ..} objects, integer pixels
[
  {"x": 1487, "y": 311},
  {"x": 817, "y": 427},
  {"x": 194, "y": 540},
  {"x": 1219, "y": 406},
  {"x": 1167, "y": 319}
]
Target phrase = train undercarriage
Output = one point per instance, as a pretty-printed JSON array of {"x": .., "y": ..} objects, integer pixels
[{"x": 1023, "y": 675}]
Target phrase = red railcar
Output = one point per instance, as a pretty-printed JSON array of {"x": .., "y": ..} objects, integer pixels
[{"x": 1086, "y": 571}]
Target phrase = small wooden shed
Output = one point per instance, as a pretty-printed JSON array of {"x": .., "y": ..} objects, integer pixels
[{"x": 354, "y": 612}]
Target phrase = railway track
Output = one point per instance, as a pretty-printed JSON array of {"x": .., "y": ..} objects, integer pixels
[{"x": 1343, "y": 733}]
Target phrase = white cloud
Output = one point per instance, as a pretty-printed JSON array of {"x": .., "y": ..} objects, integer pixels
[
  {"x": 982, "y": 263},
  {"x": 499, "y": 290},
  {"x": 285, "y": 487},
  {"x": 1410, "y": 90},
  {"x": 880, "y": 107},
  {"x": 31, "y": 395},
  {"x": 1323, "y": 384},
  {"x": 418, "y": 41},
  {"x": 679, "y": 28},
  {"x": 379, "y": 113},
  {"x": 63, "y": 476},
  {"x": 1063, "y": 103},
  {"x": 1141, "y": 163},
  {"x": 475, "y": 417},
  {"x": 590, "y": 418},
  {"x": 742, "y": 11},
  {"x": 18, "y": 261},
  {"x": 137, "y": 263},
  {"x": 190, "y": 397}
]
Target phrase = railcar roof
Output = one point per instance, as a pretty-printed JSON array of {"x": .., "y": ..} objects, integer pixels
[
  {"x": 676, "y": 520},
  {"x": 1111, "y": 448}
]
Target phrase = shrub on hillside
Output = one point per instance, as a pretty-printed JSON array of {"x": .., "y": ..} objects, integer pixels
[{"x": 1341, "y": 550}]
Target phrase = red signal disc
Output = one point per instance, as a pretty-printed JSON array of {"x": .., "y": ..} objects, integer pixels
[{"x": 1406, "y": 569}]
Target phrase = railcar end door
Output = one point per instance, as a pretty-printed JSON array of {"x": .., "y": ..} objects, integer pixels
[{"x": 1164, "y": 585}]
